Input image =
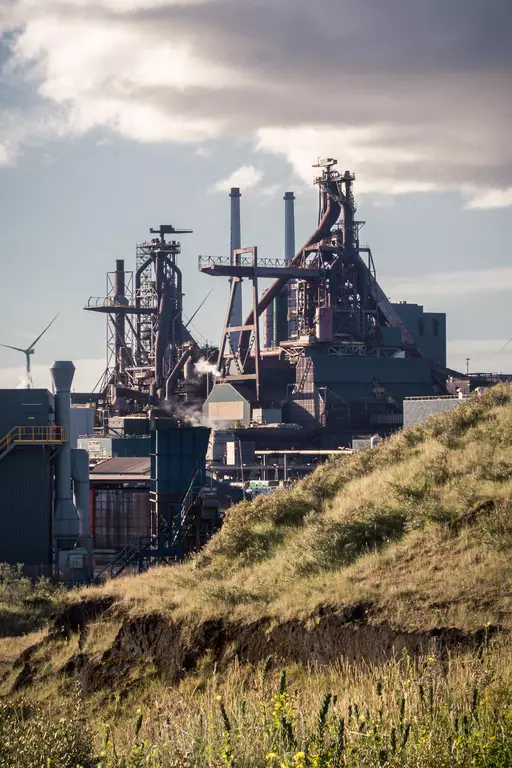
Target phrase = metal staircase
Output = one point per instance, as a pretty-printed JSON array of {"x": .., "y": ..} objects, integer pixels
[
  {"x": 32, "y": 435},
  {"x": 144, "y": 551},
  {"x": 137, "y": 550}
]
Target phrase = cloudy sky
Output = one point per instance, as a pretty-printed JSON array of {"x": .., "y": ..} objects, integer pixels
[{"x": 119, "y": 115}]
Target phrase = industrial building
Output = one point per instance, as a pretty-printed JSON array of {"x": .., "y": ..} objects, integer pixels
[
  {"x": 322, "y": 355},
  {"x": 337, "y": 358},
  {"x": 321, "y": 359},
  {"x": 44, "y": 483}
]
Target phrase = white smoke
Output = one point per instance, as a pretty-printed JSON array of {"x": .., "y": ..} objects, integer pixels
[
  {"x": 188, "y": 414},
  {"x": 24, "y": 382},
  {"x": 202, "y": 367}
]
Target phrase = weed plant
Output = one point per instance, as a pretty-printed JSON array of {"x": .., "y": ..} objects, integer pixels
[{"x": 428, "y": 713}]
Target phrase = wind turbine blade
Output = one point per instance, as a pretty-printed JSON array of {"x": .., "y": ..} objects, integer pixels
[
  {"x": 7, "y": 346},
  {"x": 42, "y": 334},
  {"x": 505, "y": 346}
]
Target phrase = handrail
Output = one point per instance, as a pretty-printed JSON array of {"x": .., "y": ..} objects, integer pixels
[
  {"x": 33, "y": 435},
  {"x": 242, "y": 261},
  {"x": 124, "y": 557}
]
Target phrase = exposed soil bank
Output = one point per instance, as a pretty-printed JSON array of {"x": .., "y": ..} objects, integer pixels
[{"x": 175, "y": 648}]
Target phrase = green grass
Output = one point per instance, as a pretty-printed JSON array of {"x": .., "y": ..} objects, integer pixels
[
  {"x": 424, "y": 713},
  {"x": 283, "y": 554},
  {"x": 26, "y": 605},
  {"x": 420, "y": 527}
]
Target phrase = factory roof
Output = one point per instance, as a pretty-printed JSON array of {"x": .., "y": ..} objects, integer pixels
[{"x": 123, "y": 466}]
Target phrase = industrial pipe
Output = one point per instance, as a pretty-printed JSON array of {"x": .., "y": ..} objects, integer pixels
[
  {"x": 332, "y": 210},
  {"x": 289, "y": 226},
  {"x": 235, "y": 244},
  {"x": 66, "y": 518},
  {"x": 80, "y": 475},
  {"x": 187, "y": 355}
]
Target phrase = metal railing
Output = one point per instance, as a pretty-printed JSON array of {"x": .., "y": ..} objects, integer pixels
[
  {"x": 136, "y": 550},
  {"x": 437, "y": 397},
  {"x": 147, "y": 293},
  {"x": 33, "y": 435},
  {"x": 241, "y": 261}
]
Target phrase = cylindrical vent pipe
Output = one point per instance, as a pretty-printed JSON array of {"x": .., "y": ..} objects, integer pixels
[
  {"x": 280, "y": 304},
  {"x": 80, "y": 475},
  {"x": 235, "y": 243},
  {"x": 268, "y": 327},
  {"x": 289, "y": 226},
  {"x": 66, "y": 518}
]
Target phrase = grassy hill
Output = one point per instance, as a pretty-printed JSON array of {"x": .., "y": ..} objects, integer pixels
[
  {"x": 420, "y": 526},
  {"x": 384, "y": 578}
]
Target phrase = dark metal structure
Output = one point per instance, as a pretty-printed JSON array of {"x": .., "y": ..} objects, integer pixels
[
  {"x": 348, "y": 354},
  {"x": 146, "y": 336}
]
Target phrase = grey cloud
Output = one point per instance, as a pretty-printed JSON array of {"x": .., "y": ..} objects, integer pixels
[{"x": 433, "y": 75}]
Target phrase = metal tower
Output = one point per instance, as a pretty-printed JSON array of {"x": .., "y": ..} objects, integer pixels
[{"x": 145, "y": 330}]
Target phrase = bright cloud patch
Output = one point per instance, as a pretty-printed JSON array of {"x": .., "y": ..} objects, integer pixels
[
  {"x": 412, "y": 96},
  {"x": 246, "y": 176}
]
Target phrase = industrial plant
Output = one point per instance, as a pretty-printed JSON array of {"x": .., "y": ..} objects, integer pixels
[{"x": 140, "y": 471}]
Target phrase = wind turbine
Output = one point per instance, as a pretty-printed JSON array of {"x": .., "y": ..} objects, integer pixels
[{"x": 30, "y": 351}]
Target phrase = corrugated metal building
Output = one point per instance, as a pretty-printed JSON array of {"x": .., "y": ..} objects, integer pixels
[
  {"x": 418, "y": 409},
  {"x": 26, "y": 477},
  {"x": 110, "y": 447},
  {"x": 119, "y": 502},
  {"x": 226, "y": 407}
]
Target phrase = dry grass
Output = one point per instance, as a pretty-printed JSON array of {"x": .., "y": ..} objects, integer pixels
[
  {"x": 388, "y": 526},
  {"x": 374, "y": 526}
]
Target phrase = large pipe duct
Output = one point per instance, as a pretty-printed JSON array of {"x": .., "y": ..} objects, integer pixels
[
  {"x": 289, "y": 226},
  {"x": 331, "y": 212},
  {"x": 235, "y": 243},
  {"x": 80, "y": 475},
  {"x": 66, "y": 518},
  {"x": 280, "y": 305},
  {"x": 189, "y": 354}
]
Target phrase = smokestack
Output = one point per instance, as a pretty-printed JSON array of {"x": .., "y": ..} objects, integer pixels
[
  {"x": 289, "y": 226},
  {"x": 235, "y": 243},
  {"x": 280, "y": 308},
  {"x": 66, "y": 518}
]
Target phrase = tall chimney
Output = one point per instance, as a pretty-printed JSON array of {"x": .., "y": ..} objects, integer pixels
[
  {"x": 289, "y": 226},
  {"x": 280, "y": 309},
  {"x": 235, "y": 243},
  {"x": 66, "y": 519}
]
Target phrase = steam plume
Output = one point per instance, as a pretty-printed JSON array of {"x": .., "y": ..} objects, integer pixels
[{"x": 202, "y": 367}]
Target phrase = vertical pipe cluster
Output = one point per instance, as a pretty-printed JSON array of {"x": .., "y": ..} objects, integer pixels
[
  {"x": 66, "y": 518},
  {"x": 235, "y": 243}
]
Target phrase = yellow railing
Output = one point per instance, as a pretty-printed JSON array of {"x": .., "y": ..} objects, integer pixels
[{"x": 32, "y": 434}]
